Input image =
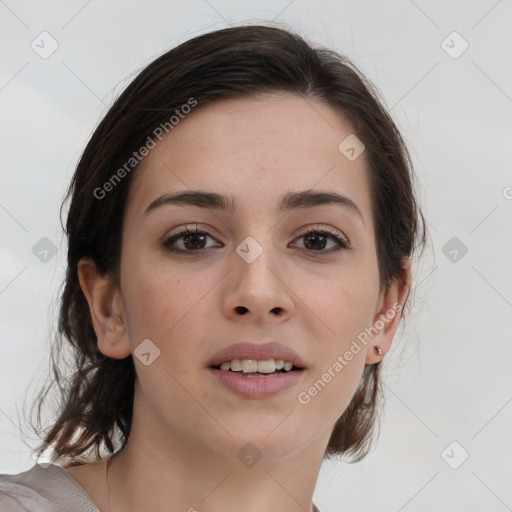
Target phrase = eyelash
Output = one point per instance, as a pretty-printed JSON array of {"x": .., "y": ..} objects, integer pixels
[{"x": 342, "y": 242}]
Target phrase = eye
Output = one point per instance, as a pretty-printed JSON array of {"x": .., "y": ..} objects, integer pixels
[
  {"x": 192, "y": 240},
  {"x": 316, "y": 239}
]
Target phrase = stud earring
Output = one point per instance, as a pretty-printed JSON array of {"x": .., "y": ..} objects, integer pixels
[{"x": 379, "y": 350}]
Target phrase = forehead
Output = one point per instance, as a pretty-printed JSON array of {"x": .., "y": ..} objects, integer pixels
[{"x": 255, "y": 149}]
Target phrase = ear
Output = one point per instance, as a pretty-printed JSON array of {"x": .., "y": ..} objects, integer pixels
[
  {"x": 388, "y": 313},
  {"x": 107, "y": 312}
]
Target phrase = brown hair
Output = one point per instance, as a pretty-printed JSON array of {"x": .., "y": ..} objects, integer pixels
[{"x": 97, "y": 403}]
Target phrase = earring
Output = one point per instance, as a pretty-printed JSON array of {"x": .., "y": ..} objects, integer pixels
[{"x": 379, "y": 350}]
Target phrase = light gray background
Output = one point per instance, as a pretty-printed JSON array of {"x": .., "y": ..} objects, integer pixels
[{"x": 448, "y": 377}]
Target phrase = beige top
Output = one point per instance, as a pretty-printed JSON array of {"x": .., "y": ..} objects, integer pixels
[
  {"x": 46, "y": 489},
  {"x": 43, "y": 489}
]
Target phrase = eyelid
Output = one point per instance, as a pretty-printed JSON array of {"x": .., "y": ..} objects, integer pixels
[
  {"x": 327, "y": 228},
  {"x": 304, "y": 230},
  {"x": 342, "y": 241},
  {"x": 192, "y": 227}
]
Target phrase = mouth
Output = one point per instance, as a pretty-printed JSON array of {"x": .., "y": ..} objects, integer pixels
[
  {"x": 244, "y": 356},
  {"x": 257, "y": 370},
  {"x": 254, "y": 368},
  {"x": 250, "y": 378}
]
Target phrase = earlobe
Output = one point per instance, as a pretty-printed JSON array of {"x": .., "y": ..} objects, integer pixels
[
  {"x": 105, "y": 306},
  {"x": 387, "y": 317}
]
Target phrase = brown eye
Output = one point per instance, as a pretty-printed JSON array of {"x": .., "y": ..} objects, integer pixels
[
  {"x": 192, "y": 241},
  {"x": 316, "y": 240}
]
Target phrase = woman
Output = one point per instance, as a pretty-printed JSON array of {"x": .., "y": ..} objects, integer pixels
[{"x": 240, "y": 231}]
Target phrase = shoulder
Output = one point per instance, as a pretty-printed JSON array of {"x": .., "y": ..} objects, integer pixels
[{"x": 42, "y": 488}]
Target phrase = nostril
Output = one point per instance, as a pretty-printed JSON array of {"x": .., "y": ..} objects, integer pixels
[{"x": 241, "y": 309}]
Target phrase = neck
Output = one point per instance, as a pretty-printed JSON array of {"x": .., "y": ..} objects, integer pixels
[{"x": 151, "y": 473}]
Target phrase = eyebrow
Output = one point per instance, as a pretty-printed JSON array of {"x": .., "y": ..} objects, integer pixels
[{"x": 290, "y": 201}]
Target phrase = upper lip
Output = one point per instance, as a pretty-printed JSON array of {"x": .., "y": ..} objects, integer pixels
[{"x": 259, "y": 351}]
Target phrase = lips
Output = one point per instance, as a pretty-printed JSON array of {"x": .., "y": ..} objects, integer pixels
[
  {"x": 257, "y": 387},
  {"x": 257, "y": 350}
]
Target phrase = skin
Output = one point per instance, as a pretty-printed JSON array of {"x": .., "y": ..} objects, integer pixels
[{"x": 187, "y": 429}]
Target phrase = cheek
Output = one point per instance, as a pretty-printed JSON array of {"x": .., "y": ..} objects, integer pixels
[
  {"x": 346, "y": 309},
  {"x": 334, "y": 380},
  {"x": 332, "y": 385},
  {"x": 162, "y": 302},
  {"x": 346, "y": 305}
]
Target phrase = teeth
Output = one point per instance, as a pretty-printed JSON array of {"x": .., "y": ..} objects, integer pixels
[
  {"x": 267, "y": 366},
  {"x": 235, "y": 365},
  {"x": 249, "y": 365},
  {"x": 252, "y": 365}
]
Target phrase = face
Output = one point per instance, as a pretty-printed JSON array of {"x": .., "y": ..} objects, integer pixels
[{"x": 314, "y": 293}]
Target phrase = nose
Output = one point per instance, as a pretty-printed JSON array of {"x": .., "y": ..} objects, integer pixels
[{"x": 259, "y": 286}]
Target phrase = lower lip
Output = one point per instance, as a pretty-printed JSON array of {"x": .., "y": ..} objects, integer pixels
[{"x": 257, "y": 387}]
